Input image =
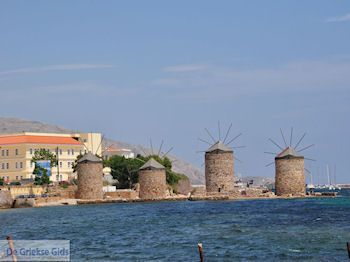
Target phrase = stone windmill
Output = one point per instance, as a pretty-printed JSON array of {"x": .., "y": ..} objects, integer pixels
[
  {"x": 90, "y": 176},
  {"x": 219, "y": 163},
  {"x": 289, "y": 167},
  {"x": 152, "y": 176}
]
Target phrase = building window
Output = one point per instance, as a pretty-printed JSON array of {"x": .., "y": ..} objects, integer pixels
[
  {"x": 3, "y": 166},
  {"x": 68, "y": 152},
  {"x": 16, "y": 177},
  {"x": 60, "y": 151},
  {"x": 7, "y": 165},
  {"x": 16, "y": 152},
  {"x": 60, "y": 177},
  {"x": 31, "y": 164},
  {"x": 57, "y": 177},
  {"x": 72, "y": 151},
  {"x": 16, "y": 165},
  {"x": 7, "y": 152},
  {"x": 61, "y": 164},
  {"x": 31, "y": 151},
  {"x": 2, "y": 152},
  {"x": 21, "y": 177},
  {"x": 21, "y": 165},
  {"x": 68, "y": 164}
]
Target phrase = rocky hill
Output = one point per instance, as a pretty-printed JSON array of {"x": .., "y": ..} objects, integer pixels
[{"x": 12, "y": 125}]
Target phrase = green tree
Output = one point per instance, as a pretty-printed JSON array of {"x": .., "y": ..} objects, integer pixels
[
  {"x": 41, "y": 177},
  {"x": 1, "y": 182},
  {"x": 43, "y": 154},
  {"x": 125, "y": 170}
]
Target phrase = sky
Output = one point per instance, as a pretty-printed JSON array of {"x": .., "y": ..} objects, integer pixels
[{"x": 135, "y": 70}]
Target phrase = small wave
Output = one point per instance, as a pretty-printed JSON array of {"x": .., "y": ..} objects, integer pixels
[{"x": 294, "y": 250}]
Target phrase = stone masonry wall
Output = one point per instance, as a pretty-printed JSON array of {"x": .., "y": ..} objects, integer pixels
[
  {"x": 152, "y": 184},
  {"x": 290, "y": 178},
  {"x": 219, "y": 177},
  {"x": 90, "y": 181}
]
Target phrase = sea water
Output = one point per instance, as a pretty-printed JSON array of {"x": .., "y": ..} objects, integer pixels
[{"x": 310, "y": 229}]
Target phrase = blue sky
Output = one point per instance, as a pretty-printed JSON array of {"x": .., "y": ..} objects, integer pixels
[{"x": 166, "y": 69}]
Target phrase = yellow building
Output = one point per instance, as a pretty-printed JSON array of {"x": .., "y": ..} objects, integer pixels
[{"x": 17, "y": 150}]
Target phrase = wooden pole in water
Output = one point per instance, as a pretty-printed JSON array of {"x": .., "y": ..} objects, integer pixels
[
  {"x": 348, "y": 246},
  {"x": 12, "y": 248},
  {"x": 200, "y": 249}
]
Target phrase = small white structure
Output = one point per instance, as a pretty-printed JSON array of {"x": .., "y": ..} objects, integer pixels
[
  {"x": 114, "y": 151},
  {"x": 109, "y": 189}
]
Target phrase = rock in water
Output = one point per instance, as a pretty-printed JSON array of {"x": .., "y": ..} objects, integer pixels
[{"x": 5, "y": 199}]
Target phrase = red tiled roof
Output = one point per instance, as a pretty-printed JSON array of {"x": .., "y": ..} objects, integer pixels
[{"x": 30, "y": 139}]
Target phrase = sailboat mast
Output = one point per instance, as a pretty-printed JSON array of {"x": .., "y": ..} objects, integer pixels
[{"x": 329, "y": 179}]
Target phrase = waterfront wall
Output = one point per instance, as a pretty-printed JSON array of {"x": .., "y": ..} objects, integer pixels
[
  {"x": 290, "y": 177},
  {"x": 219, "y": 175},
  {"x": 122, "y": 194},
  {"x": 16, "y": 191}
]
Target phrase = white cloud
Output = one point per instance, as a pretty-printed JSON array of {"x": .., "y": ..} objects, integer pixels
[
  {"x": 222, "y": 82},
  {"x": 342, "y": 18},
  {"x": 66, "y": 67},
  {"x": 185, "y": 68}
]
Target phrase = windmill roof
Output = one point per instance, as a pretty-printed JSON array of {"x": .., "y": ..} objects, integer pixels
[
  {"x": 38, "y": 139},
  {"x": 89, "y": 157},
  {"x": 151, "y": 163},
  {"x": 219, "y": 146},
  {"x": 289, "y": 151}
]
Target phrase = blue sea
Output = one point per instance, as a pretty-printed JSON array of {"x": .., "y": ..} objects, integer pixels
[{"x": 314, "y": 229}]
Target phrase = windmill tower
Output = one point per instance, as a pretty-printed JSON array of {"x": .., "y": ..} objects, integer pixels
[
  {"x": 152, "y": 177},
  {"x": 219, "y": 164},
  {"x": 289, "y": 167},
  {"x": 90, "y": 176}
]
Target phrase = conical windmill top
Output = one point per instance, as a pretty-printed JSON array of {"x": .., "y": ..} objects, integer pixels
[
  {"x": 89, "y": 157},
  {"x": 152, "y": 164},
  {"x": 219, "y": 145},
  {"x": 288, "y": 152}
]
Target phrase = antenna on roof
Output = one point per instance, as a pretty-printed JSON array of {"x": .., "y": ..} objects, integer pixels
[
  {"x": 301, "y": 139},
  {"x": 271, "y": 153},
  {"x": 291, "y": 136},
  {"x": 168, "y": 152},
  {"x": 160, "y": 148},
  {"x": 228, "y": 131},
  {"x": 233, "y": 139},
  {"x": 306, "y": 147},
  {"x": 102, "y": 139},
  {"x": 204, "y": 141},
  {"x": 276, "y": 144},
  {"x": 219, "y": 130},
  {"x": 285, "y": 143},
  {"x": 210, "y": 135},
  {"x": 150, "y": 140}
]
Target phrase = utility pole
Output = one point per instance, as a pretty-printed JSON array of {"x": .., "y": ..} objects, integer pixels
[{"x": 58, "y": 164}]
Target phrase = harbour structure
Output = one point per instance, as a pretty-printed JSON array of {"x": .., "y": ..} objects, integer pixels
[
  {"x": 219, "y": 163},
  {"x": 290, "y": 167},
  {"x": 18, "y": 149},
  {"x": 90, "y": 177},
  {"x": 152, "y": 180}
]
